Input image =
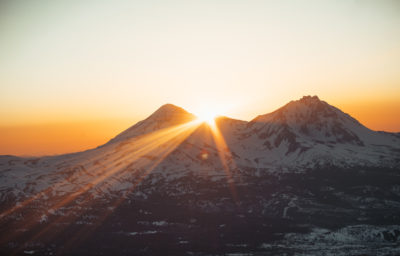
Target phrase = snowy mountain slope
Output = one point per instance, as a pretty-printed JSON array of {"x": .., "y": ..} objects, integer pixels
[
  {"x": 317, "y": 121},
  {"x": 303, "y": 134},
  {"x": 305, "y": 159},
  {"x": 309, "y": 131}
]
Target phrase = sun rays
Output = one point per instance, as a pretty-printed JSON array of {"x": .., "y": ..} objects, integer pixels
[
  {"x": 225, "y": 154},
  {"x": 131, "y": 160}
]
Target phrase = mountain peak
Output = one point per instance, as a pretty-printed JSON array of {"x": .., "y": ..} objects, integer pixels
[
  {"x": 167, "y": 115},
  {"x": 170, "y": 107},
  {"x": 307, "y": 105},
  {"x": 170, "y": 110},
  {"x": 308, "y": 120},
  {"x": 309, "y": 99}
]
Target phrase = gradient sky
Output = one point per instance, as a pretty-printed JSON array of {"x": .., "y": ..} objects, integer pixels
[{"x": 75, "y": 73}]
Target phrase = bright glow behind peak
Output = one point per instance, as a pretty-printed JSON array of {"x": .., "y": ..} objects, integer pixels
[
  {"x": 208, "y": 115},
  {"x": 208, "y": 118}
]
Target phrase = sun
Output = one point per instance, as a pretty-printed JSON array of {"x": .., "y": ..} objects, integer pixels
[
  {"x": 207, "y": 116},
  {"x": 208, "y": 111}
]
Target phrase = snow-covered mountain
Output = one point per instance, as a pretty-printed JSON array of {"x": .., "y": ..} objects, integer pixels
[
  {"x": 310, "y": 132},
  {"x": 305, "y": 160}
]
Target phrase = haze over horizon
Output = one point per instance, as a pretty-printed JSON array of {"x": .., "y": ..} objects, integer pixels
[{"x": 75, "y": 74}]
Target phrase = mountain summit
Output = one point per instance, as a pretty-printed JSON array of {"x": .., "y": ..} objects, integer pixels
[
  {"x": 166, "y": 116},
  {"x": 309, "y": 128},
  {"x": 170, "y": 111},
  {"x": 307, "y": 121}
]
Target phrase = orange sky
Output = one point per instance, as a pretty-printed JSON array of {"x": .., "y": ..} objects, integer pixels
[
  {"x": 64, "y": 65},
  {"x": 57, "y": 138},
  {"x": 378, "y": 116},
  {"x": 49, "y": 139}
]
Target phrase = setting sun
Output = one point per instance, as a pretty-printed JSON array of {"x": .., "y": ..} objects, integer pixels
[{"x": 207, "y": 115}]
